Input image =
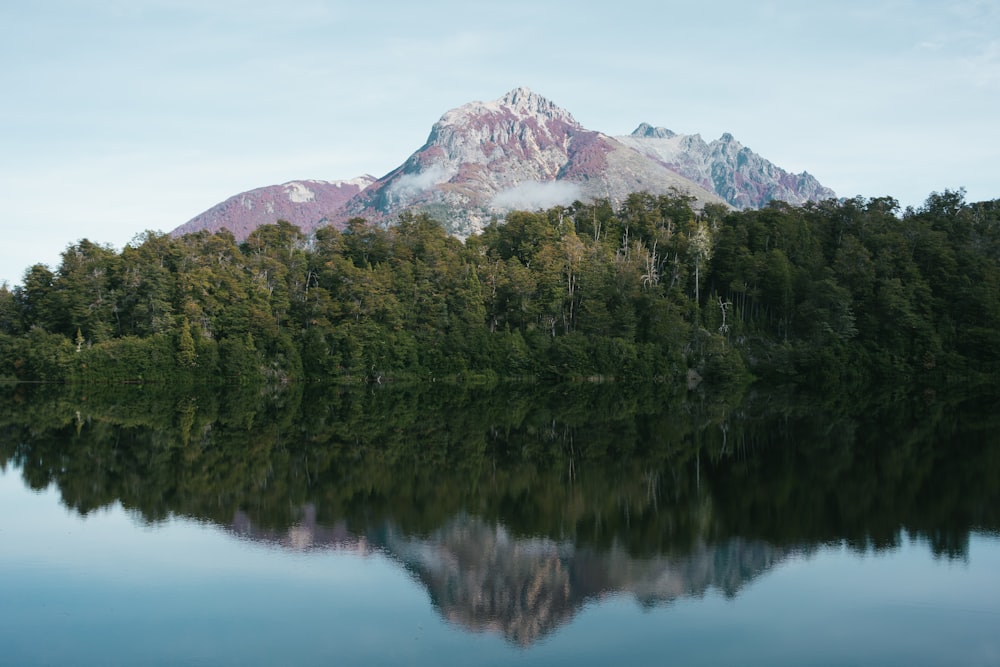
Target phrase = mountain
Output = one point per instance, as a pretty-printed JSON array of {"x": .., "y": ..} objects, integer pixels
[
  {"x": 737, "y": 174},
  {"x": 303, "y": 203},
  {"x": 521, "y": 151}
]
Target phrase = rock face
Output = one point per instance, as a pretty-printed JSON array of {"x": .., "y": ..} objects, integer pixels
[
  {"x": 303, "y": 203},
  {"x": 521, "y": 151},
  {"x": 725, "y": 166}
]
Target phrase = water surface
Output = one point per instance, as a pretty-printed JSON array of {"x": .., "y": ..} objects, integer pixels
[{"x": 578, "y": 526}]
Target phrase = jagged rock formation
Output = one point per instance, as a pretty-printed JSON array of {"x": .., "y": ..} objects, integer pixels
[
  {"x": 521, "y": 151},
  {"x": 725, "y": 166}
]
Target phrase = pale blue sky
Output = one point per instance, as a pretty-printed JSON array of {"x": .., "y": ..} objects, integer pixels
[{"x": 125, "y": 115}]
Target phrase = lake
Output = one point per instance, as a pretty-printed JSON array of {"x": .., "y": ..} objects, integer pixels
[{"x": 450, "y": 525}]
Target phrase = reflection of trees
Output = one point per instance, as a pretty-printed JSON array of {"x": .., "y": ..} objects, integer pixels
[{"x": 596, "y": 466}]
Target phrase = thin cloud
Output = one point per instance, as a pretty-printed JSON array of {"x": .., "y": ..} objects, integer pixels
[
  {"x": 535, "y": 195},
  {"x": 409, "y": 186}
]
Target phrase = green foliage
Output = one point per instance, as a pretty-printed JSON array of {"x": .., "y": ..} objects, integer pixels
[
  {"x": 827, "y": 292},
  {"x": 187, "y": 354},
  {"x": 239, "y": 360},
  {"x": 128, "y": 359},
  {"x": 10, "y": 318}
]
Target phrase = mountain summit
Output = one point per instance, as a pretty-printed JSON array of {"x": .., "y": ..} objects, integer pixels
[
  {"x": 523, "y": 151},
  {"x": 519, "y": 152}
]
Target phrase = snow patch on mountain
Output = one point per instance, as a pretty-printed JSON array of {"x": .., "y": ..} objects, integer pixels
[
  {"x": 299, "y": 193},
  {"x": 359, "y": 182}
]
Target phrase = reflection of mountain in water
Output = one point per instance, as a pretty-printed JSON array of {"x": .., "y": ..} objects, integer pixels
[
  {"x": 482, "y": 577},
  {"x": 626, "y": 494}
]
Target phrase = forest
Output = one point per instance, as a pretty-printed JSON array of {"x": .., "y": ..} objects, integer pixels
[{"x": 840, "y": 293}]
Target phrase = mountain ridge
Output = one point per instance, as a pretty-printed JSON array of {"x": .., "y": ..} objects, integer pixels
[
  {"x": 740, "y": 176},
  {"x": 521, "y": 151},
  {"x": 306, "y": 203}
]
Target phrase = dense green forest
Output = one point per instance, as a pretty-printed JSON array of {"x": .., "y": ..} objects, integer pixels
[{"x": 833, "y": 293}]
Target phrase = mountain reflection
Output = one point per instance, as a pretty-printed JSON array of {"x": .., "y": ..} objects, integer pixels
[
  {"x": 485, "y": 579},
  {"x": 516, "y": 507}
]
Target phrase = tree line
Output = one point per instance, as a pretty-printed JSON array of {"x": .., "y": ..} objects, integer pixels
[{"x": 831, "y": 293}]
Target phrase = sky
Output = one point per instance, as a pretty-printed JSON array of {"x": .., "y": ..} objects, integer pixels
[{"x": 120, "y": 116}]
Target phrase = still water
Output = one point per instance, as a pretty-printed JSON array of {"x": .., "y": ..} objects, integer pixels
[{"x": 580, "y": 526}]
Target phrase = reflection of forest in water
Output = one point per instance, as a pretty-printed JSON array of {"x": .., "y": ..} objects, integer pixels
[{"x": 516, "y": 506}]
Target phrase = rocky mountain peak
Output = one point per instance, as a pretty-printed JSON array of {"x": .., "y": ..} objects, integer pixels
[
  {"x": 483, "y": 149},
  {"x": 521, "y": 104},
  {"x": 526, "y": 102},
  {"x": 726, "y": 167},
  {"x": 647, "y": 131}
]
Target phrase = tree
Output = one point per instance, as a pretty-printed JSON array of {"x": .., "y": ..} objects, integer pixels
[
  {"x": 85, "y": 291},
  {"x": 701, "y": 251},
  {"x": 10, "y": 316},
  {"x": 187, "y": 355},
  {"x": 35, "y": 298},
  {"x": 146, "y": 282}
]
